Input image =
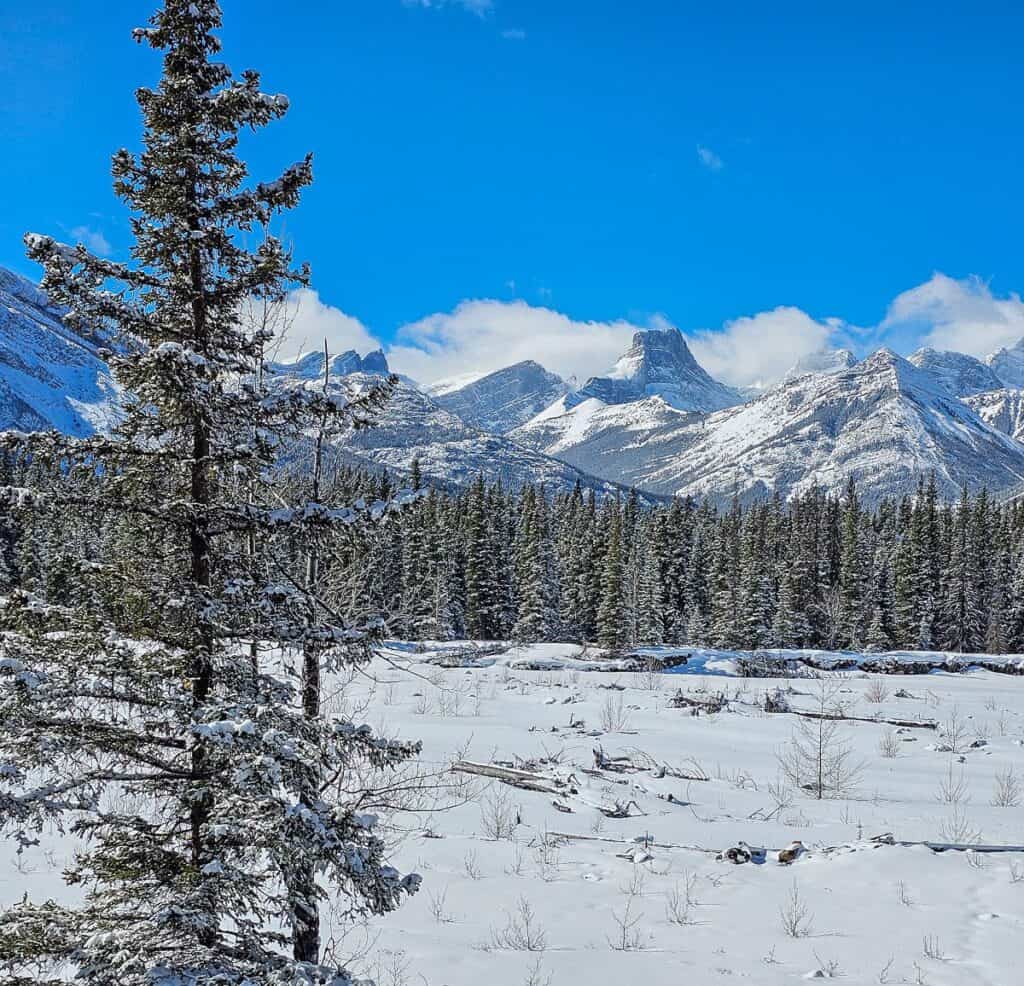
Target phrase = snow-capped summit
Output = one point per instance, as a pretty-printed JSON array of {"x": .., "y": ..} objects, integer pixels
[
  {"x": 1008, "y": 364},
  {"x": 961, "y": 375},
  {"x": 50, "y": 375},
  {"x": 823, "y": 361},
  {"x": 659, "y": 364},
  {"x": 504, "y": 399}
]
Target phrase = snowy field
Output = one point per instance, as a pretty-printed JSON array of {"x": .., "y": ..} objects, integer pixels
[{"x": 532, "y": 887}]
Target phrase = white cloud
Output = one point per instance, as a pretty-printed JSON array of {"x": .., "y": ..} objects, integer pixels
[
  {"x": 309, "y": 321},
  {"x": 757, "y": 350},
  {"x": 478, "y": 7},
  {"x": 93, "y": 240},
  {"x": 750, "y": 351},
  {"x": 709, "y": 158},
  {"x": 486, "y": 335},
  {"x": 962, "y": 315}
]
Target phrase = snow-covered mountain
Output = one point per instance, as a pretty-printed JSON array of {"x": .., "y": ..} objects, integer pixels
[
  {"x": 504, "y": 399},
  {"x": 961, "y": 375},
  {"x": 50, "y": 376},
  {"x": 1008, "y": 364},
  {"x": 609, "y": 421},
  {"x": 414, "y": 426},
  {"x": 883, "y": 421},
  {"x": 659, "y": 364}
]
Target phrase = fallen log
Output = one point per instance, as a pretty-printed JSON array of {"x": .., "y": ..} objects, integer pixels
[
  {"x": 960, "y": 847},
  {"x": 650, "y": 843},
  {"x": 522, "y": 779},
  {"x": 879, "y": 720},
  {"x": 774, "y": 706}
]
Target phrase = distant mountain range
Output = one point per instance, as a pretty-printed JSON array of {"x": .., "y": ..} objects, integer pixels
[{"x": 655, "y": 420}]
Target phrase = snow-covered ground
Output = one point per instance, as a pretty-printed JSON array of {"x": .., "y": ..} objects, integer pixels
[{"x": 643, "y": 899}]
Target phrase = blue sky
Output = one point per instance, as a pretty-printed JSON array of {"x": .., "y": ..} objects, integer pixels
[{"x": 546, "y": 163}]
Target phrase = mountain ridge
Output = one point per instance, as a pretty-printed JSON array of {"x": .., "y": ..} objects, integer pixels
[{"x": 655, "y": 420}]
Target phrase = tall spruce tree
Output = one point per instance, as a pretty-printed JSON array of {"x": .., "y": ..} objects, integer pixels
[
  {"x": 611, "y": 626},
  {"x": 236, "y": 792}
]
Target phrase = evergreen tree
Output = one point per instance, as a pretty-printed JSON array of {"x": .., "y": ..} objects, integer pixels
[
  {"x": 239, "y": 780},
  {"x": 611, "y": 629},
  {"x": 962, "y": 622}
]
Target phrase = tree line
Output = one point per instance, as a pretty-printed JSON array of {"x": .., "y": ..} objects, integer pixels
[
  {"x": 493, "y": 563},
  {"x": 820, "y": 571}
]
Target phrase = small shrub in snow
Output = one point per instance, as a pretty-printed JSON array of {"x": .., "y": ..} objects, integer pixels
[
  {"x": 535, "y": 975},
  {"x": 876, "y": 692},
  {"x": 635, "y": 885},
  {"x": 795, "y": 914},
  {"x": 614, "y": 715},
  {"x": 954, "y": 733},
  {"x": 681, "y": 900},
  {"x": 957, "y": 828},
  {"x": 829, "y": 968},
  {"x": 515, "y": 868},
  {"x": 953, "y": 787},
  {"x": 392, "y": 969},
  {"x": 472, "y": 866},
  {"x": 818, "y": 758},
  {"x": 439, "y": 907},
  {"x": 889, "y": 744},
  {"x": 522, "y": 931},
  {"x": 1007, "y": 790},
  {"x": 498, "y": 815},
  {"x": 627, "y": 936}
]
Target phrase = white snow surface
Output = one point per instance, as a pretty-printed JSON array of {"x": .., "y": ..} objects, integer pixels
[{"x": 870, "y": 907}]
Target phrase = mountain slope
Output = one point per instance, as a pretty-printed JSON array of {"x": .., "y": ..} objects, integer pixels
[
  {"x": 885, "y": 422},
  {"x": 50, "y": 376},
  {"x": 960, "y": 374},
  {"x": 1008, "y": 364},
  {"x": 1001, "y": 409},
  {"x": 505, "y": 399},
  {"x": 626, "y": 442}
]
